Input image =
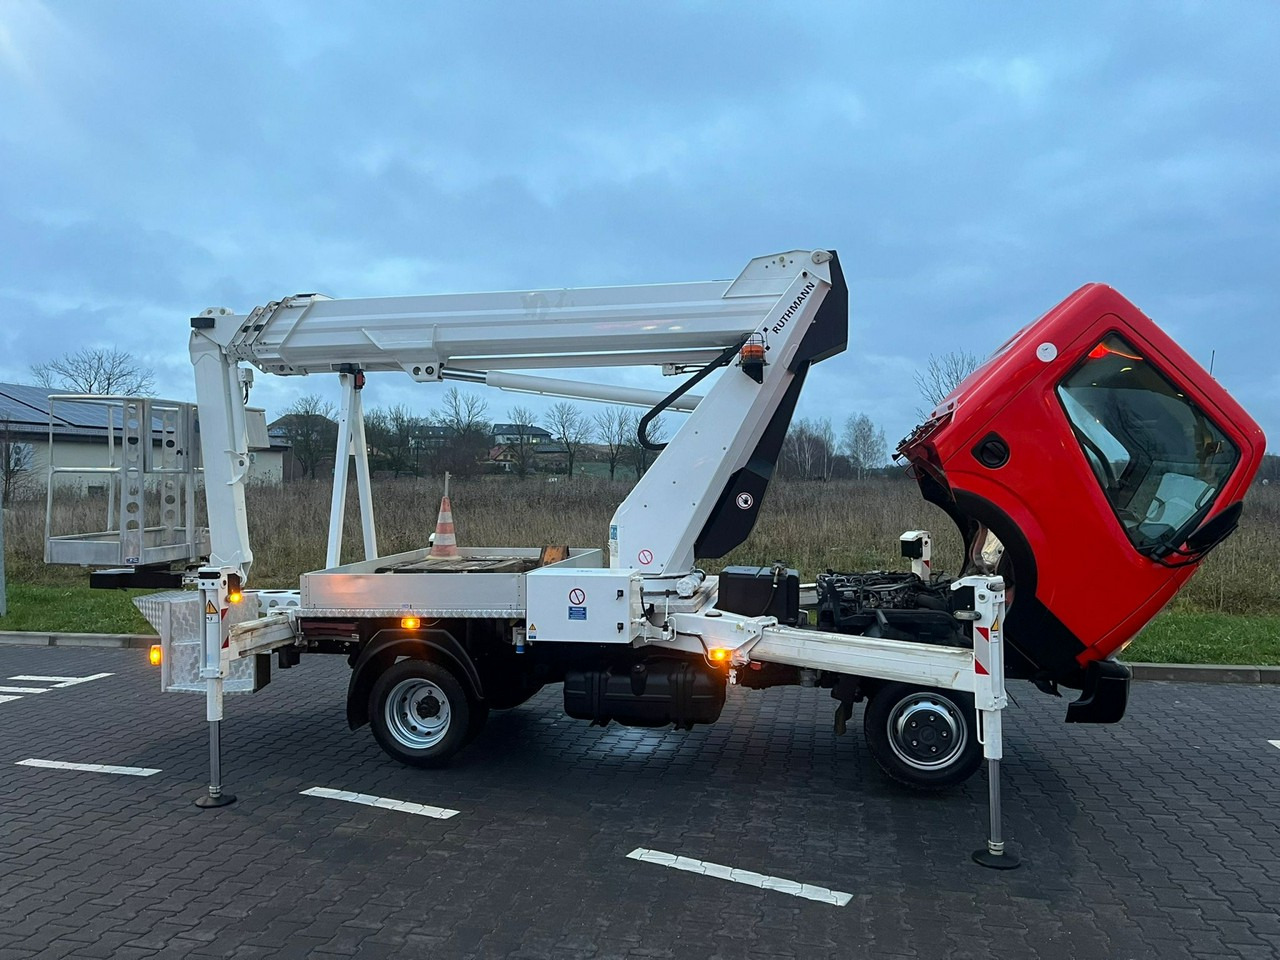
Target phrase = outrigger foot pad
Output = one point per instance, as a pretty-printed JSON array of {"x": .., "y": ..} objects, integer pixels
[
  {"x": 996, "y": 861},
  {"x": 205, "y": 800}
]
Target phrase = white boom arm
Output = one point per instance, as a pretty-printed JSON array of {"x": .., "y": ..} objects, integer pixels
[{"x": 704, "y": 493}]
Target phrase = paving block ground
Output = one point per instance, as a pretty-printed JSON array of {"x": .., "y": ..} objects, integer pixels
[{"x": 1158, "y": 837}]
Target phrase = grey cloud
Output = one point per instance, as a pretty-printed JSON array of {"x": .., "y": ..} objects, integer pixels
[{"x": 972, "y": 164}]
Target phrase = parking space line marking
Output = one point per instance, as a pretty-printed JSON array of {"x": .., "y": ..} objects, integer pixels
[
  {"x": 7, "y": 699},
  {"x": 386, "y": 803},
  {"x": 22, "y": 690},
  {"x": 1274, "y": 743},
  {"x": 63, "y": 681},
  {"x": 836, "y": 898},
  {"x": 89, "y": 767}
]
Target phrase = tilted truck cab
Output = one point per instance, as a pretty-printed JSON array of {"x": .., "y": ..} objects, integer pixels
[{"x": 1107, "y": 463}]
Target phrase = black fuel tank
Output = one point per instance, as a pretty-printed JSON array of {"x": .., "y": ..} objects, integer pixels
[{"x": 649, "y": 694}]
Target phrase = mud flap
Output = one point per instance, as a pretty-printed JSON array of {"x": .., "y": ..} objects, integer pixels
[{"x": 1105, "y": 694}]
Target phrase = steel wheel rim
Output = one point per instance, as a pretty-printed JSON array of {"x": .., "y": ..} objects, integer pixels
[
  {"x": 417, "y": 713},
  {"x": 927, "y": 731}
]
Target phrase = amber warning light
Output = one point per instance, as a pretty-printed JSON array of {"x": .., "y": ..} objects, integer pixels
[
  {"x": 752, "y": 358},
  {"x": 155, "y": 654},
  {"x": 411, "y": 623}
]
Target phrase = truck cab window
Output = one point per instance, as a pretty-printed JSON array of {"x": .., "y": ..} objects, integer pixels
[{"x": 1158, "y": 457}]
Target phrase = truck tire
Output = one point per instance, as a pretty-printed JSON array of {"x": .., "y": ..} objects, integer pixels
[
  {"x": 921, "y": 736},
  {"x": 419, "y": 713}
]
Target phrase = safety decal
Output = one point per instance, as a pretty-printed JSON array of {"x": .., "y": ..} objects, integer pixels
[
  {"x": 577, "y": 597},
  {"x": 745, "y": 501},
  {"x": 645, "y": 557}
]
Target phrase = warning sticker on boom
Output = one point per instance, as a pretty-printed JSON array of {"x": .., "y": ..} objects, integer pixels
[{"x": 577, "y": 613}]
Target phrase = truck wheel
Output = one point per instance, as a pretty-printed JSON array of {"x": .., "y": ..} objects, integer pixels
[
  {"x": 419, "y": 713},
  {"x": 922, "y": 737}
]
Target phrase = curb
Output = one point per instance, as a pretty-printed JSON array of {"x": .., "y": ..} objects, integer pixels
[
  {"x": 1175, "y": 672},
  {"x": 118, "y": 641},
  {"x": 1204, "y": 673}
]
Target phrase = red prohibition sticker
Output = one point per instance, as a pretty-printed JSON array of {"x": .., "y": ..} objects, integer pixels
[
  {"x": 645, "y": 557},
  {"x": 577, "y": 597}
]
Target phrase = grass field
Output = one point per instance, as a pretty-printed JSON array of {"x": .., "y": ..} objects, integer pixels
[{"x": 1228, "y": 613}]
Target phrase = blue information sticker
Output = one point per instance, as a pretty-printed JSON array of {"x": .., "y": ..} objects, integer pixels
[{"x": 577, "y": 613}]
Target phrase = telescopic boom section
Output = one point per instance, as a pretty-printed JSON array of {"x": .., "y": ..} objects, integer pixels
[{"x": 783, "y": 302}]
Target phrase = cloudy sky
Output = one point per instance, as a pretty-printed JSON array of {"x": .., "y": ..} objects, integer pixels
[{"x": 973, "y": 164}]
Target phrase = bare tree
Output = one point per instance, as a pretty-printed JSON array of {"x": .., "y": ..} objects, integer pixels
[
  {"x": 16, "y": 458},
  {"x": 522, "y": 422},
  {"x": 467, "y": 417},
  {"x": 827, "y": 438},
  {"x": 807, "y": 450},
  {"x": 613, "y": 429},
  {"x": 98, "y": 370},
  {"x": 464, "y": 412},
  {"x": 943, "y": 373},
  {"x": 642, "y": 457},
  {"x": 864, "y": 444},
  {"x": 312, "y": 432},
  {"x": 390, "y": 433},
  {"x": 571, "y": 428}
]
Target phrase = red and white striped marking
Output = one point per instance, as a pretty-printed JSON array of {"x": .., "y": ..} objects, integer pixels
[{"x": 978, "y": 666}]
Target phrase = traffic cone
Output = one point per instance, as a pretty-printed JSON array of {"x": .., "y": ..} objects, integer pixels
[{"x": 445, "y": 544}]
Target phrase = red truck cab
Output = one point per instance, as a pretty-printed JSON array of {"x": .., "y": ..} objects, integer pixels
[{"x": 1107, "y": 463}]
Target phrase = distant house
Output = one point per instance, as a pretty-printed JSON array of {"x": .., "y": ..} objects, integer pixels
[
  {"x": 552, "y": 455},
  {"x": 78, "y": 436},
  {"x": 505, "y": 434},
  {"x": 503, "y": 455},
  {"x": 430, "y": 435},
  {"x": 300, "y": 445}
]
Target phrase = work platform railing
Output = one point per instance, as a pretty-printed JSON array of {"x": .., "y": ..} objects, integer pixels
[{"x": 146, "y": 476}]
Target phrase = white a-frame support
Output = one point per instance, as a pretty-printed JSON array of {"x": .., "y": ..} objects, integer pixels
[{"x": 351, "y": 442}]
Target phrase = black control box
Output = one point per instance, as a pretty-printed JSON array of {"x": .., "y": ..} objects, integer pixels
[{"x": 761, "y": 592}]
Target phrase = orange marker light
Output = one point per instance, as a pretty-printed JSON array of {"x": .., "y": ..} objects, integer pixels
[
  {"x": 235, "y": 596},
  {"x": 751, "y": 358},
  {"x": 155, "y": 654},
  {"x": 718, "y": 654},
  {"x": 411, "y": 623}
]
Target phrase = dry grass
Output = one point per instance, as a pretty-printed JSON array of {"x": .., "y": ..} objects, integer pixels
[{"x": 846, "y": 525}]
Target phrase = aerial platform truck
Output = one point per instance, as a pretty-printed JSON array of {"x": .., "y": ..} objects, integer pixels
[{"x": 1090, "y": 465}]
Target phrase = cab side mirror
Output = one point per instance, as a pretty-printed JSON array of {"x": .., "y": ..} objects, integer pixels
[{"x": 1214, "y": 530}]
